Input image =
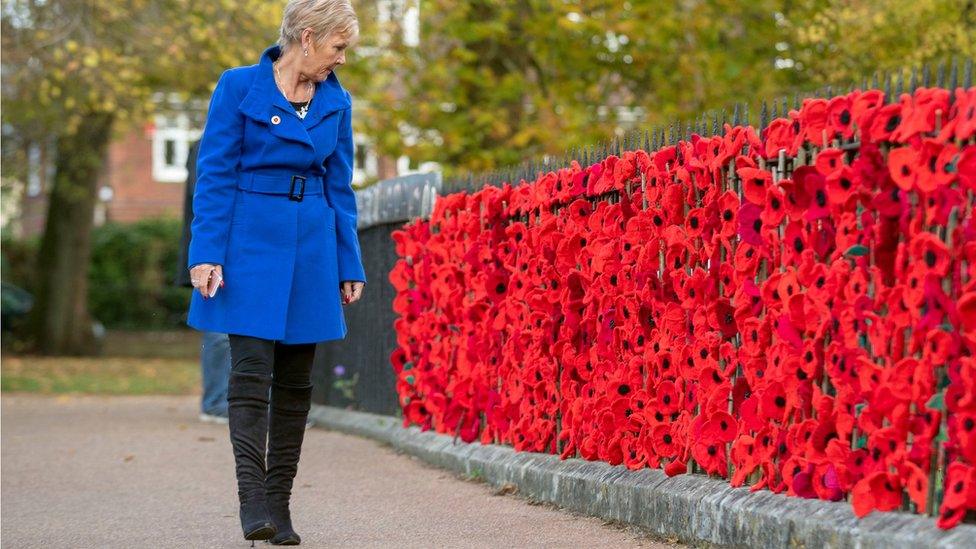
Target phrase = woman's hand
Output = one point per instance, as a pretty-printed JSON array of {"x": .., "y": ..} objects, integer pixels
[
  {"x": 351, "y": 290},
  {"x": 205, "y": 275}
]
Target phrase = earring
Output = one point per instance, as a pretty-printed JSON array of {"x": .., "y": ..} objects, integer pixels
[{"x": 306, "y": 53}]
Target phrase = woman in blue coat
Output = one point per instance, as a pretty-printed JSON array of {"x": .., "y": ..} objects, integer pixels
[{"x": 274, "y": 234}]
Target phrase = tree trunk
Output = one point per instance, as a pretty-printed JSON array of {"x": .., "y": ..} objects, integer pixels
[{"x": 61, "y": 323}]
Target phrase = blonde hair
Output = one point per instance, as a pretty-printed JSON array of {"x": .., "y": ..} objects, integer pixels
[{"x": 324, "y": 17}]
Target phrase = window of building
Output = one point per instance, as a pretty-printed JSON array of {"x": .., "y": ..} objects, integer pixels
[
  {"x": 171, "y": 141},
  {"x": 365, "y": 164}
]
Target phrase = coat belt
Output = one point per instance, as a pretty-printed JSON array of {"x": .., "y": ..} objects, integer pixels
[{"x": 278, "y": 182}]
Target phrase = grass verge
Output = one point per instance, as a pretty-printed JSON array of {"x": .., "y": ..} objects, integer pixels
[{"x": 100, "y": 375}]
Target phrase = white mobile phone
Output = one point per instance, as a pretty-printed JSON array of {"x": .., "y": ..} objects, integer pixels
[{"x": 217, "y": 285}]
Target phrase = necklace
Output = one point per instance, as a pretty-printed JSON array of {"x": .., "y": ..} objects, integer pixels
[{"x": 301, "y": 112}]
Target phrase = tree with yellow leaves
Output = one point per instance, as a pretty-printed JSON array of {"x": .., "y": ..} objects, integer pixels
[{"x": 77, "y": 70}]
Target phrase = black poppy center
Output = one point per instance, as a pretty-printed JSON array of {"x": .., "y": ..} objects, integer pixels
[
  {"x": 893, "y": 123},
  {"x": 821, "y": 198}
]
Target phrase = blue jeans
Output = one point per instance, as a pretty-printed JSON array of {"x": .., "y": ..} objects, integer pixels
[{"x": 215, "y": 367}]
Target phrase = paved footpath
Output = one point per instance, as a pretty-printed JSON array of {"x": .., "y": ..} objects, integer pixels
[{"x": 143, "y": 471}]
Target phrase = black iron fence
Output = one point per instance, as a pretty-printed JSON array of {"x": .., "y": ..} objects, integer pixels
[{"x": 355, "y": 372}]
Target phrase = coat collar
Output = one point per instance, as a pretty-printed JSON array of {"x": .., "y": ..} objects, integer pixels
[{"x": 264, "y": 95}]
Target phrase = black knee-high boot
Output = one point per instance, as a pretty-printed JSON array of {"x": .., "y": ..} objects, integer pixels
[
  {"x": 289, "y": 413},
  {"x": 247, "y": 410}
]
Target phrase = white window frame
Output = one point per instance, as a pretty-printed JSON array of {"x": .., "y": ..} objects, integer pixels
[{"x": 181, "y": 134}]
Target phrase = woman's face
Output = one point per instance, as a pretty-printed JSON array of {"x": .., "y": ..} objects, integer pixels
[{"x": 323, "y": 59}]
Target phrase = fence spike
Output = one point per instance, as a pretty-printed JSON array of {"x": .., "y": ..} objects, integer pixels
[
  {"x": 763, "y": 115},
  {"x": 940, "y": 74},
  {"x": 914, "y": 85},
  {"x": 900, "y": 83},
  {"x": 786, "y": 108},
  {"x": 967, "y": 78},
  {"x": 954, "y": 74},
  {"x": 746, "y": 117},
  {"x": 887, "y": 88},
  {"x": 926, "y": 75},
  {"x": 735, "y": 115},
  {"x": 874, "y": 81},
  {"x": 796, "y": 100}
]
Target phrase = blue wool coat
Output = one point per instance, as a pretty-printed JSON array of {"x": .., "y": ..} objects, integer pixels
[{"x": 282, "y": 258}]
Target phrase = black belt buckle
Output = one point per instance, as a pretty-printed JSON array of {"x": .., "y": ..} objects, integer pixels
[{"x": 291, "y": 193}]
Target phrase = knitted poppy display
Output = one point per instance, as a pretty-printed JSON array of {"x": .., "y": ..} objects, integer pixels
[{"x": 791, "y": 308}]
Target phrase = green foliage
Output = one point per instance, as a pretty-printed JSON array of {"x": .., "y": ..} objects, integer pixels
[
  {"x": 18, "y": 261},
  {"x": 843, "y": 42},
  {"x": 131, "y": 279},
  {"x": 66, "y": 59},
  {"x": 131, "y": 275},
  {"x": 346, "y": 386},
  {"x": 496, "y": 82}
]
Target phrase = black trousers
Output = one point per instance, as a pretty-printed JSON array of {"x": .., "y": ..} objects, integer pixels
[{"x": 289, "y": 365}]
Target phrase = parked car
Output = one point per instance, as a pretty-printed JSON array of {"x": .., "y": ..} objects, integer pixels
[{"x": 15, "y": 303}]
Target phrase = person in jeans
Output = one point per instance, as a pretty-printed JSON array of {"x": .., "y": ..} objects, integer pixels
[
  {"x": 214, "y": 347},
  {"x": 274, "y": 251}
]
